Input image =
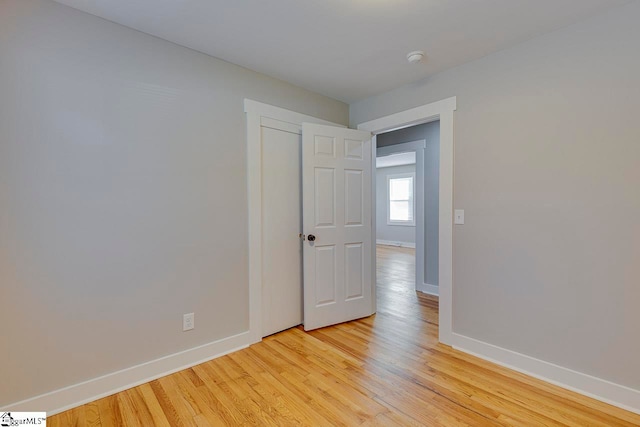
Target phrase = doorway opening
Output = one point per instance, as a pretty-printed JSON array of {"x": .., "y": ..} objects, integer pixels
[
  {"x": 354, "y": 149},
  {"x": 407, "y": 214}
]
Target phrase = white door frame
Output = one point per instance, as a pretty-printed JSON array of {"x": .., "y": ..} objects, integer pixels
[
  {"x": 259, "y": 114},
  {"x": 443, "y": 111},
  {"x": 418, "y": 148}
]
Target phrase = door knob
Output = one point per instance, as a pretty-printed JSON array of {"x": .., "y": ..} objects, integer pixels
[{"x": 311, "y": 238}]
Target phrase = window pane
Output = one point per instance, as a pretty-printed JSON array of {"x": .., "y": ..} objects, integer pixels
[
  {"x": 400, "y": 211},
  {"x": 400, "y": 188},
  {"x": 401, "y": 199}
]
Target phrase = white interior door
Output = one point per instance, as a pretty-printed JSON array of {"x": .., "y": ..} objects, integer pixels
[
  {"x": 281, "y": 224},
  {"x": 336, "y": 187}
]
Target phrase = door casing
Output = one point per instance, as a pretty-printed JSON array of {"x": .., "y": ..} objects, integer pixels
[
  {"x": 441, "y": 110},
  {"x": 257, "y": 115}
]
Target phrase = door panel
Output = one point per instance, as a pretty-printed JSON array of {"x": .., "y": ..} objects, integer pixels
[
  {"x": 325, "y": 200},
  {"x": 354, "y": 265},
  {"x": 353, "y": 198},
  {"x": 325, "y": 146},
  {"x": 325, "y": 275},
  {"x": 337, "y": 186},
  {"x": 354, "y": 149}
]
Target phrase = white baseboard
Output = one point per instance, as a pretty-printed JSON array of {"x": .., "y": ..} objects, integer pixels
[
  {"x": 429, "y": 289},
  {"x": 399, "y": 244},
  {"x": 597, "y": 388},
  {"x": 96, "y": 388}
]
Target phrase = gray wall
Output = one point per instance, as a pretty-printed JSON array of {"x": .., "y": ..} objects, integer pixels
[
  {"x": 430, "y": 132},
  {"x": 546, "y": 167},
  {"x": 384, "y": 231},
  {"x": 123, "y": 198}
]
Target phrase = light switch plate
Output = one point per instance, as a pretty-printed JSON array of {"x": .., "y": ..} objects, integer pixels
[{"x": 458, "y": 217}]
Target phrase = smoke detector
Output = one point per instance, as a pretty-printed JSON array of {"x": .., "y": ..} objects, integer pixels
[{"x": 415, "y": 56}]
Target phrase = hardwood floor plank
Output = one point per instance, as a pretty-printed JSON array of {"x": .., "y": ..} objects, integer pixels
[
  {"x": 133, "y": 414},
  {"x": 306, "y": 393},
  {"x": 144, "y": 396},
  {"x": 168, "y": 407},
  {"x": 109, "y": 411},
  {"x": 384, "y": 370},
  {"x": 200, "y": 399},
  {"x": 278, "y": 407},
  {"x": 221, "y": 385},
  {"x": 92, "y": 415},
  {"x": 224, "y": 406}
]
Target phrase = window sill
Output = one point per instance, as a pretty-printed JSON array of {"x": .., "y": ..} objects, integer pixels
[{"x": 403, "y": 224}]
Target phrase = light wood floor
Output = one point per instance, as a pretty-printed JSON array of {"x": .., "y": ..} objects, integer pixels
[{"x": 384, "y": 370}]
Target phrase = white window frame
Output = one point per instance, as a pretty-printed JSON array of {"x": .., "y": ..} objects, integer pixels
[{"x": 411, "y": 175}]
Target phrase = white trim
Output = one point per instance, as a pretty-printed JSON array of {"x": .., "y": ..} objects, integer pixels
[
  {"x": 267, "y": 122},
  {"x": 597, "y": 388},
  {"x": 395, "y": 166},
  {"x": 396, "y": 244},
  {"x": 273, "y": 112},
  {"x": 395, "y": 160},
  {"x": 259, "y": 115},
  {"x": 374, "y": 231},
  {"x": 87, "y": 391},
  {"x": 429, "y": 289},
  {"x": 443, "y": 111},
  {"x": 414, "y": 116},
  {"x": 254, "y": 202}
]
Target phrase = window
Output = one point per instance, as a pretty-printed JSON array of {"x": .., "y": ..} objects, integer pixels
[{"x": 401, "y": 209}]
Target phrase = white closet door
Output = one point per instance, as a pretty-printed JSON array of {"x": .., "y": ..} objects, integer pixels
[{"x": 281, "y": 224}]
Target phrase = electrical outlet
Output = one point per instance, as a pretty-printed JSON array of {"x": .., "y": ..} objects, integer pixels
[{"x": 188, "y": 321}]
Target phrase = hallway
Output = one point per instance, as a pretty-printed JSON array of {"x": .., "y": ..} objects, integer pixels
[{"x": 396, "y": 269}]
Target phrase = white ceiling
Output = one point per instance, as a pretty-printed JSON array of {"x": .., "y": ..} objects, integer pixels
[
  {"x": 400, "y": 159},
  {"x": 345, "y": 49}
]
